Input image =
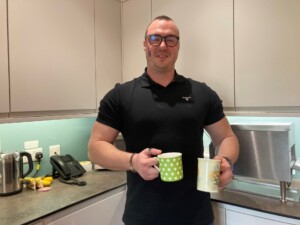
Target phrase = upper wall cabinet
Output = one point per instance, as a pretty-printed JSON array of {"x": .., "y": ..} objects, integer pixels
[
  {"x": 267, "y": 47},
  {"x": 52, "y": 55},
  {"x": 4, "y": 83},
  {"x": 206, "y": 36},
  {"x": 136, "y": 15},
  {"x": 108, "y": 45},
  {"x": 206, "y": 41}
]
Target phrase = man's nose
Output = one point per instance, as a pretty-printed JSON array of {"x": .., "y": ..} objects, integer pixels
[{"x": 163, "y": 43}]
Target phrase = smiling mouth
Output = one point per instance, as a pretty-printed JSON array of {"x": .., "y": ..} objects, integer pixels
[{"x": 162, "y": 56}]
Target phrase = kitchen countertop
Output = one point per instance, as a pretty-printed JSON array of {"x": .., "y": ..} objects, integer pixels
[
  {"x": 260, "y": 203},
  {"x": 30, "y": 205}
]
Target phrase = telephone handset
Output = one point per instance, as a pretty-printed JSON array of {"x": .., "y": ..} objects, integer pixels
[{"x": 67, "y": 169}]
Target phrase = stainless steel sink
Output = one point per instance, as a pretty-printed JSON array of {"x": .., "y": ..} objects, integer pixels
[
  {"x": 264, "y": 188},
  {"x": 267, "y": 157}
]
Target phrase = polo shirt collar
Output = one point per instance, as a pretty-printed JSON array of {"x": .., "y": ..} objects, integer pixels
[{"x": 146, "y": 80}]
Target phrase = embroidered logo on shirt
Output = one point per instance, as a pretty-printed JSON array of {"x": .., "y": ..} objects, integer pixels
[{"x": 187, "y": 98}]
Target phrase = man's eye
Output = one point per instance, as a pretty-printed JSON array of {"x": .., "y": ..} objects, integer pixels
[{"x": 155, "y": 38}]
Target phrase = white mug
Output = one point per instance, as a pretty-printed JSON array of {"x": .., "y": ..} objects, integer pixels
[{"x": 208, "y": 175}]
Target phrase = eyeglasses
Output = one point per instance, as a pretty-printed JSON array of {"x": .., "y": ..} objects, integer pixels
[{"x": 156, "y": 40}]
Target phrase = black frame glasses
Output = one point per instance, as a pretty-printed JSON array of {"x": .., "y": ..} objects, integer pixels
[{"x": 156, "y": 40}]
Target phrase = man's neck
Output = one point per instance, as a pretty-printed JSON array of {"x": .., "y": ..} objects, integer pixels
[{"x": 163, "y": 78}]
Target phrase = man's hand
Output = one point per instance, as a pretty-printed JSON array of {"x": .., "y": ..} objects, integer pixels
[
  {"x": 143, "y": 163},
  {"x": 226, "y": 174}
]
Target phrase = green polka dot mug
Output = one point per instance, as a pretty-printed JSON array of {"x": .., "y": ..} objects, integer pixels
[{"x": 170, "y": 166}]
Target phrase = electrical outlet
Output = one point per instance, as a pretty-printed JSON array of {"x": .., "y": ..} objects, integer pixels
[
  {"x": 54, "y": 150},
  {"x": 31, "y": 144},
  {"x": 32, "y": 152}
]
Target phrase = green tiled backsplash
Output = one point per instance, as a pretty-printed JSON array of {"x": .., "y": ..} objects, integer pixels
[{"x": 73, "y": 134}]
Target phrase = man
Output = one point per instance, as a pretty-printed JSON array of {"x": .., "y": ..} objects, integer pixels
[{"x": 161, "y": 111}]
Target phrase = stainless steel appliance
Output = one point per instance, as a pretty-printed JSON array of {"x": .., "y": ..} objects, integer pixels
[
  {"x": 11, "y": 172},
  {"x": 267, "y": 156}
]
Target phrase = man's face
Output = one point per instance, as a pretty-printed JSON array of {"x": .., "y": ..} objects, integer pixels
[{"x": 161, "y": 58}]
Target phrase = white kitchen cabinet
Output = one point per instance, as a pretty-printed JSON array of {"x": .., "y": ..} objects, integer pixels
[
  {"x": 52, "y": 55},
  {"x": 248, "y": 51},
  {"x": 136, "y": 15},
  {"x": 237, "y": 218},
  {"x": 226, "y": 214},
  {"x": 267, "y": 53},
  {"x": 206, "y": 38},
  {"x": 108, "y": 45},
  {"x": 106, "y": 209},
  {"x": 4, "y": 82},
  {"x": 219, "y": 214},
  {"x": 206, "y": 32}
]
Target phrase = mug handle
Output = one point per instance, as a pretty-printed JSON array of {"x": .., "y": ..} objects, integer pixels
[{"x": 156, "y": 167}]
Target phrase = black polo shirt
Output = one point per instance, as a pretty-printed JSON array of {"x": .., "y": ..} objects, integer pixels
[{"x": 172, "y": 119}]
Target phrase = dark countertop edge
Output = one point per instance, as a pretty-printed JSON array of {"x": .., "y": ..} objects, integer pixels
[
  {"x": 84, "y": 199},
  {"x": 256, "y": 209},
  {"x": 99, "y": 185},
  {"x": 217, "y": 197},
  {"x": 230, "y": 197}
]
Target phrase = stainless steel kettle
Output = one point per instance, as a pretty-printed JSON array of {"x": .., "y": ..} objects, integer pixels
[{"x": 11, "y": 172}]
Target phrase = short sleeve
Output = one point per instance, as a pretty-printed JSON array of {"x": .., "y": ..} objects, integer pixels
[
  {"x": 109, "y": 109},
  {"x": 215, "y": 112}
]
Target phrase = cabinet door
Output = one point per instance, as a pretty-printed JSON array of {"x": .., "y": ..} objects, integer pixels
[
  {"x": 108, "y": 45},
  {"x": 109, "y": 211},
  {"x": 133, "y": 32},
  {"x": 236, "y": 218},
  {"x": 219, "y": 214},
  {"x": 4, "y": 84},
  {"x": 52, "y": 55},
  {"x": 267, "y": 53},
  {"x": 206, "y": 36}
]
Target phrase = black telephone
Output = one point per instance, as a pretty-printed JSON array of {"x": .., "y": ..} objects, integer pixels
[{"x": 66, "y": 168}]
